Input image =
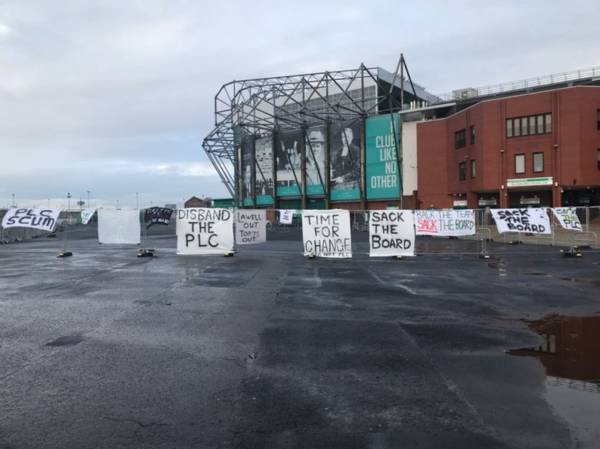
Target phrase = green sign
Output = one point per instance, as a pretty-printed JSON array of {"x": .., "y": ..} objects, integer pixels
[
  {"x": 341, "y": 194},
  {"x": 383, "y": 180},
  {"x": 526, "y": 182},
  {"x": 264, "y": 200}
]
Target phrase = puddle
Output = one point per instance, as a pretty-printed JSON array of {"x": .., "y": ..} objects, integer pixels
[
  {"x": 570, "y": 353},
  {"x": 585, "y": 281},
  {"x": 67, "y": 340},
  {"x": 500, "y": 265}
]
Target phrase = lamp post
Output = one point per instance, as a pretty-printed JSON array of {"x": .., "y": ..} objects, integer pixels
[
  {"x": 88, "y": 198},
  {"x": 68, "y": 207},
  {"x": 64, "y": 252}
]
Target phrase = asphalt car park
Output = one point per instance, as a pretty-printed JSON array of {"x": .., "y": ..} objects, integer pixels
[{"x": 269, "y": 349}]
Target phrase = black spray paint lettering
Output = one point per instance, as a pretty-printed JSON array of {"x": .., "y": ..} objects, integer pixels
[
  {"x": 519, "y": 220},
  {"x": 27, "y": 217},
  {"x": 385, "y": 236},
  {"x": 394, "y": 216},
  {"x": 203, "y": 235},
  {"x": 327, "y": 241}
]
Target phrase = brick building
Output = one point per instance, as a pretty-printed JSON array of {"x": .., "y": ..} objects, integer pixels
[{"x": 531, "y": 149}]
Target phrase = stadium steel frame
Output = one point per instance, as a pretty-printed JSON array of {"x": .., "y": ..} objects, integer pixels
[{"x": 262, "y": 106}]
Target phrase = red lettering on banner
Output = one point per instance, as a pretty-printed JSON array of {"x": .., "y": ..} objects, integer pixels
[{"x": 427, "y": 225}]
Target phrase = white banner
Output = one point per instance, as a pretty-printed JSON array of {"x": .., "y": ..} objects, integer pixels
[
  {"x": 391, "y": 233},
  {"x": 445, "y": 222},
  {"x": 44, "y": 219},
  {"x": 251, "y": 226},
  {"x": 531, "y": 221},
  {"x": 326, "y": 233},
  {"x": 457, "y": 222},
  {"x": 204, "y": 231},
  {"x": 86, "y": 215},
  {"x": 567, "y": 217},
  {"x": 286, "y": 216},
  {"x": 119, "y": 226}
]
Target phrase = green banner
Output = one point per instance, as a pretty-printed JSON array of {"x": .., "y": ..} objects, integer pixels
[{"x": 383, "y": 181}]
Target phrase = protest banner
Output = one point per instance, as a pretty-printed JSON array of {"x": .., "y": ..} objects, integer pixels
[
  {"x": 251, "y": 226},
  {"x": 457, "y": 222},
  {"x": 326, "y": 233},
  {"x": 531, "y": 221},
  {"x": 567, "y": 217},
  {"x": 157, "y": 215},
  {"x": 445, "y": 222},
  {"x": 86, "y": 215},
  {"x": 391, "y": 233},
  {"x": 204, "y": 231},
  {"x": 286, "y": 216},
  {"x": 44, "y": 219},
  {"x": 119, "y": 226}
]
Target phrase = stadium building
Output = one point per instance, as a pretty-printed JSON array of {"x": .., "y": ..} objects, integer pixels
[{"x": 329, "y": 140}]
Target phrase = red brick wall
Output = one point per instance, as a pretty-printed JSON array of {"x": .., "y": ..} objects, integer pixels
[
  {"x": 569, "y": 151},
  {"x": 432, "y": 164}
]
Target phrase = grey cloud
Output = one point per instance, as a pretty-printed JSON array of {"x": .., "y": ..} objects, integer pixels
[{"x": 87, "y": 85}]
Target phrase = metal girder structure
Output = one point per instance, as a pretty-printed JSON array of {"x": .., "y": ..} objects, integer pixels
[{"x": 263, "y": 105}]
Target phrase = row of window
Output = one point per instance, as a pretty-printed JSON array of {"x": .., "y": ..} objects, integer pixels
[
  {"x": 529, "y": 126},
  {"x": 537, "y": 165}
]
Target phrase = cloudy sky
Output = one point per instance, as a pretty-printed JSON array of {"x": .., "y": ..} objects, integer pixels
[{"x": 115, "y": 96}]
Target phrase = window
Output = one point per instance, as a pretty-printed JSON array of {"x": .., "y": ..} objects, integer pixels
[
  {"x": 472, "y": 132},
  {"x": 462, "y": 171},
  {"x": 509, "y": 128},
  {"x": 598, "y": 119},
  {"x": 540, "y": 124},
  {"x": 524, "y": 127},
  {"x": 598, "y": 159},
  {"x": 538, "y": 162},
  {"x": 519, "y": 164},
  {"x": 474, "y": 168},
  {"x": 532, "y": 125},
  {"x": 548, "y": 120},
  {"x": 517, "y": 127},
  {"x": 459, "y": 139}
]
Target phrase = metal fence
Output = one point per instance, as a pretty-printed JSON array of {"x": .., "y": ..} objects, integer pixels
[
  {"x": 485, "y": 231},
  {"x": 486, "y": 239}
]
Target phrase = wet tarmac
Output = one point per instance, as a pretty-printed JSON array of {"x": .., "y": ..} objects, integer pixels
[{"x": 269, "y": 349}]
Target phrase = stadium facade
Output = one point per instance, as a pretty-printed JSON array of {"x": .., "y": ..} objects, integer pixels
[{"x": 367, "y": 138}]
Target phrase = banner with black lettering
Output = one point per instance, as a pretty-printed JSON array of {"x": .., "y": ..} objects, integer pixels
[
  {"x": 86, "y": 215},
  {"x": 286, "y": 216},
  {"x": 204, "y": 231},
  {"x": 567, "y": 217},
  {"x": 391, "y": 233},
  {"x": 531, "y": 221},
  {"x": 326, "y": 233},
  {"x": 119, "y": 226},
  {"x": 445, "y": 222},
  {"x": 251, "y": 226},
  {"x": 44, "y": 219},
  {"x": 157, "y": 215}
]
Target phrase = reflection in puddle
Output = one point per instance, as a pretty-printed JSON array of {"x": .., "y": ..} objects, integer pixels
[
  {"x": 570, "y": 353},
  {"x": 498, "y": 264}
]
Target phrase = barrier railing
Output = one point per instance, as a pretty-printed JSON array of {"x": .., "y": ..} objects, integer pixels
[{"x": 485, "y": 240}]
